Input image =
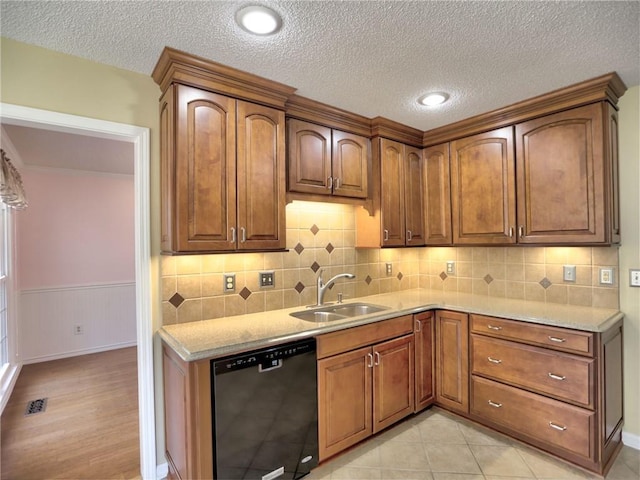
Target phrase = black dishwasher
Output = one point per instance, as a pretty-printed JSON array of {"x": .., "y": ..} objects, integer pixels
[{"x": 265, "y": 413}]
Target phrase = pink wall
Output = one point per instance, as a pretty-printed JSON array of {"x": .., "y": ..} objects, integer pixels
[{"x": 78, "y": 229}]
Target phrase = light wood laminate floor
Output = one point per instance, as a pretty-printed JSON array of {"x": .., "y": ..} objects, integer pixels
[
  {"x": 436, "y": 445},
  {"x": 89, "y": 429}
]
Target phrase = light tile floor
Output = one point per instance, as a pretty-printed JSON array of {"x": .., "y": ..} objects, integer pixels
[{"x": 436, "y": 445}]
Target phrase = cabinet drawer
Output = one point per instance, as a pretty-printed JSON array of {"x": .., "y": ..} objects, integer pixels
[
  {"x": 552, "y": 422},
  {"x": 567, "y": 377},
  {"x": 562, "y": 339},
  {"x": 352, "y": 338}
]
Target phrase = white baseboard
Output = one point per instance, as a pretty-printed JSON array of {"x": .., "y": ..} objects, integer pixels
[
  {"x": 75, "y": 353},
  {"x": 162, "y": 471},
  {"x": 631, "y": 440}
]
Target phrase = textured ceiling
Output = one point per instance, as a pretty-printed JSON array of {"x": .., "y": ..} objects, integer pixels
[{"x": 371, "y": 57}]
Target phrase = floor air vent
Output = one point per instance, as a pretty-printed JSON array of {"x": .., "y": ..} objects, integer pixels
[{"x": 36, "y": 406}]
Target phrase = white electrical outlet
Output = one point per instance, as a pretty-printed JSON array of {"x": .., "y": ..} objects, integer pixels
[
  {"x": 78, "y": 329},
  {"x": 634, "y": 277},
  {"x": 451, "y": 267},
  {"x": 569, "y": 273},
  {"x": 389, "y": 269},
  {"x": 606, "y": 276},
  {"x": 229, "y": 282}
]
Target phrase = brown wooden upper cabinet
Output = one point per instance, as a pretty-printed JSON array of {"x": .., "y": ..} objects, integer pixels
[
  {"x": 400, "y": 220},
  {"x": 223, "y": 173},
  {"x": 567, "y": 175},
  {"x": 560, "y": 187},
  {"x": 325, "y": 161},
  {"x": 437, "y": 195},
  {"x": 483, "y": 188}
]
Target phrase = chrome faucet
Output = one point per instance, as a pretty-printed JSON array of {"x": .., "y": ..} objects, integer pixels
[{"x": 322, "y": 287}]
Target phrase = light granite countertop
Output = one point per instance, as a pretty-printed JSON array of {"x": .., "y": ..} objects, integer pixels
[{"x": 226, "y": 336}]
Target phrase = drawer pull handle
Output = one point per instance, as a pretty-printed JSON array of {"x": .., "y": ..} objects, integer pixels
[
  {"x": 494, "y": 360},
  {"x": 556, "y": 377},
  {"x": 557, "y": 339},
  {"x": 562, "y": 428},
  {"x": 494, "y": 404},
  {"x": 493, "y": 327}
]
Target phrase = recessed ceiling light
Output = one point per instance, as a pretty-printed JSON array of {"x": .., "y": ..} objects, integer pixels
[
  {"x": 432, "y": 99},
  {"x": 258, "y": 20}
]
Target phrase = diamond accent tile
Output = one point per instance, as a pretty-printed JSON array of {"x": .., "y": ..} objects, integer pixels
[
  {"x": 443, "y": 276},
  {"x": 245, "y": 293},
  {"x": 368, "y": 280},
  {"x": 488, "y": 278},
  {"x": 299, "y": 287},
  {"x": 176, "y": 300},
  {"x": 545, "y": 282},
  {"x": 298, "y": 248},
  {"x": 315, "y": 267},
  {"x": 400, "y": 276},
  {"x": 314, "y": 229},
  {"x": 329, "y": 248}
]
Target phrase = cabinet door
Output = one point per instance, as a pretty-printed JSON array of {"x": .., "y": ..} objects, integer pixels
[
  {"x": 424, "y": 348},
  {"x": 344, "y": 400},
  {"x": 414, "y": 197},
  {"x": 205, "y": 171},
  {"x": 392, "y": 199},
  {"x": 483, "y": 188},
  {"x": 393, "y": 381},
  {"x": 350, "y": 164},
  {"x": 452, "y": 360},
  {"x": 309, "y": 162},
  {"x": 437, "y": 195},
  {"x": 560, "y": 165},
  {"x": 261, "y": 177}
]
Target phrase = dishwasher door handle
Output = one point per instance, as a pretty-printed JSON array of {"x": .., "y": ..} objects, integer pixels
[{"x": 268, "y": 369}]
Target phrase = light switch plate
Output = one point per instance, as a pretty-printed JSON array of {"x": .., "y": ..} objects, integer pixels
[
  {"x": 634, "y": 277},
  {"x": 266, "y": 279},
  {"x": 569, "y": 273}
]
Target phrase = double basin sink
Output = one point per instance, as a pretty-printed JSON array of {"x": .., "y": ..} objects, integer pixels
[{"x": 338, "y": 311}]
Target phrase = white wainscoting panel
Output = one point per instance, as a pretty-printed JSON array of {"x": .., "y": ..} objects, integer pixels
[{"x": 48, "y": 318}]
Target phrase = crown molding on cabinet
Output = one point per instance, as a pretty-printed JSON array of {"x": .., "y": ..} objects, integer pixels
[
  {"x": 177, "y": 66},
  {"x": 607, "y": 87},
  {"x": 383, "y": 127},
  {"x": 309, "y": 110}
]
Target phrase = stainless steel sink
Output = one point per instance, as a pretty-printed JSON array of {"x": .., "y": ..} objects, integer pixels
[{"x": 337, "y": 312}]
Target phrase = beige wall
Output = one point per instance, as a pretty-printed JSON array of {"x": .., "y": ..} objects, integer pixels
[
  {"x": 629, "y": 117},
  {"x": 40, "y": 78}
]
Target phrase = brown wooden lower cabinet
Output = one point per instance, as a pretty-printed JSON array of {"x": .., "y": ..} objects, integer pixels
[
  {"x": 363, "y": 390},
  {"x": 558, "y": 389},
  {"x": 424, "y": 332},
  {"x": 452, "y": 361}
]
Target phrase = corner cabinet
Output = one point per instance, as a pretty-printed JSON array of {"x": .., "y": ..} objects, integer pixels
[
  {"x": 325, "y": 161},
  {"x": 223, "y": 173}
]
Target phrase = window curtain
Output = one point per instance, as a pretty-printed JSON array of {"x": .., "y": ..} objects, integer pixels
[{"x": 11, "y": 189}]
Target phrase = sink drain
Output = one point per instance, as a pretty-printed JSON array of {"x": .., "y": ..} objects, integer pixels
[{"x": 35, "y": 406}]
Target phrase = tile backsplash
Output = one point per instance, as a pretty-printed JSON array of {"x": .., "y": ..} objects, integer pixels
[{"x": 323, "y": 236}]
